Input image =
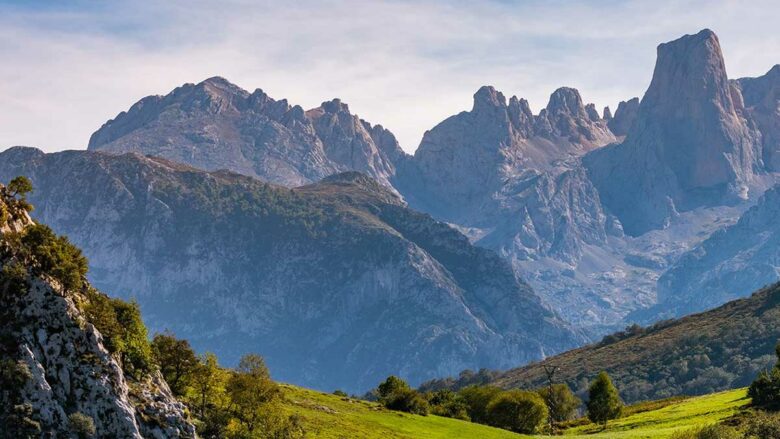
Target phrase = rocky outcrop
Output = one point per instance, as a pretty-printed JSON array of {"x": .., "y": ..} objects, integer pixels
[
  {"x": 62, "y": 366},
  {"x": 731, "y": 263},
  {"x": 624, "y": 118},
  {"x": 337, "y": 284},
  {"x": 689, "y": 145},
  {"x": 217, "y": 125}
]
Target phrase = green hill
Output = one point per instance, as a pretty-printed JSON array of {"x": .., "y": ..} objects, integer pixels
[
  {"x": 703, "y": 353},
  {"x": 333, "y": 417}
]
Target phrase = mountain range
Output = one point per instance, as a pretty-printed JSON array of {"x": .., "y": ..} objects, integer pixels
[{"x": 544, "y": 229}]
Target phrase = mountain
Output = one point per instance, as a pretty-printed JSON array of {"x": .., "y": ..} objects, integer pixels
[
  {"x": 624, "y": 118},
  {"x": 56, "y": 364},
  {"x": 337, "y": 284},
  {"x": 729, "y": 264},
  {"x": 720, "y": 349},
  {"x": 690, "y": 145},
  {"x": 217, "y": 125},
  {"x": 463, "y": 161}
]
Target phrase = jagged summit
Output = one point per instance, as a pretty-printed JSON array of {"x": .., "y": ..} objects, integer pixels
[
  {"x": 688, "y": 146},
  {"x": 217, "y": 125}
]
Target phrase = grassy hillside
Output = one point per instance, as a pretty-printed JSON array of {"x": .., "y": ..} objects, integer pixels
[
  {"x": 333, "y": 417},
  {"x": 700, "y": 354}
]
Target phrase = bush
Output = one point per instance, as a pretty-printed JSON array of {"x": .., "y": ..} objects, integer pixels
[
  {"x": 763, "y": 426},
  {"x": 765, "y": 390},
  {"x": 176, "y": 359},
  {"x": 55, "y": 256},
  {"x": 340, "y": 393},
  {"x": 82, "y": 425},
  {"x": 517, "y": 410},
  {"x": 477, "y": 399},
  {"x": 406, "y": 400},
  {"x": 448, "y": 404}
]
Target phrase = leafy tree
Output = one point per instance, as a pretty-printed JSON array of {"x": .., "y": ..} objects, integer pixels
[
  {"x": 391, "y": 385},
  {"x": 252, "y": 393},
  {"x": 82, "y": 425},
  {"x": 517, "y": 410},
  {"x": 604, "y": 402},
  {"x": 561, "y": 402},
  {"x": 207, "y": 380},
  {"x": 477, "y": 399},
  {"x": 176, "y": 359}
]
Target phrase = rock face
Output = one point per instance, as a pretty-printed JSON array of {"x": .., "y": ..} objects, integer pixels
[
  {"x": 689, "y": 146},
  {"x": 217, "y": 125},
  {"x": 625, "y": 116},
  {"x": 66, "y": 369},
  {"x": 731, "y": 263},
  {"x": 462, "y": 162},
  {"x": 761, "y": 98},
  {"x": 338, "y": 284}
]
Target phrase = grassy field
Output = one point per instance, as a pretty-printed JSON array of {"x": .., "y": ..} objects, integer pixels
[{"x": 332, "y": 417}]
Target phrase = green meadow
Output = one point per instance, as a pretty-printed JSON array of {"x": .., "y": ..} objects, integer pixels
[{"x": 329, "y": 416}]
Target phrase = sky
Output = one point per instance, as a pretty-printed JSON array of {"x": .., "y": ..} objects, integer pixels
[{"x": 68, "y": 67}]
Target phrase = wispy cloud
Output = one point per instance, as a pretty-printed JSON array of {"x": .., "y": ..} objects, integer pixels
[{"x": 407, "y": 65}]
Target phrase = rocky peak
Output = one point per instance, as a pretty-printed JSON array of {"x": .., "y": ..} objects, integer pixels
[
  {"x": 607, "y": 114},
  {"x": 488, "y": 98},
  {"x": 688, "y": 145},
  {"x": 625, "y": 116},
  {"x": 593, "y": 114},
  {"x": 566, "y": 100}
]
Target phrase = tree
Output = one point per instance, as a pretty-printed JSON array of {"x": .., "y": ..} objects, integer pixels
[
  {"x": 391, "y": 385},
  {"x": 55, "y": 255},
  {"x": 20, "y": 187},
  {"x": 517, "y": 410},
  {"x": 449, "y": 404},
  {"x": 604, "y": 402},
  {"x": 477, "y": 399},
  {"x": 137, "y": 353},
  {"x": 561, "y": 402},
  {"x": 176, "y": 359},
  {"x": 252, "y": 393}
]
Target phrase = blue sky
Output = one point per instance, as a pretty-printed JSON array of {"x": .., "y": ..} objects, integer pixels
[{"x": 67, "y": 67}]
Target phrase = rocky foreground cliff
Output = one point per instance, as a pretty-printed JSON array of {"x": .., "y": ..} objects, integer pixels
[{"x": 59, "y": 375}]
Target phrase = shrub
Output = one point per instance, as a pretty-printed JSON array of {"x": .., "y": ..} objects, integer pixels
[
  {"x": 406, "y": 400},
  {"x": 517, "y": 410},
  {"x": 765, "y": 389},
  {"x": 82, "y": 425},
  {"x": 55, "y": 255},
  {"x": 448, "y": 404},
  {"x": 391, "y": 385},
  {"x": 762, "y": 425},
  {"x": 136, "y": 354},
  {"x": 340, "y": 393}
]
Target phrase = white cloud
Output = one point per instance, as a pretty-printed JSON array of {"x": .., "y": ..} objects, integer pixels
[{"x": 406, "y": 65}]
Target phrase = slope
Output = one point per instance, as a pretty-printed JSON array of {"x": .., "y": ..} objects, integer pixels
[{"x": 702, "y": 353}]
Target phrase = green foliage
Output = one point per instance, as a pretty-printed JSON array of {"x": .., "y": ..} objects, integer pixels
[
  {"x": 124, "y": 333},
  {"x": 20, "y": 187},
  {"x": 603, "y": 400},
  {"x": 447, "y": 403},
  {"x": 477, "y": 399},
  {"x": 340, "y": 393},
  {"x": 765, "y": 390},
  {"x": 14, "y": 279},
  {"x": 55, "y": 256},
  {"x": 82, "y": 425},
  {"x": 716, "y": 431},
  {"x": 517, "y": 410},
  {"x": 561, "y": 402},
  {"x": 395, "y": 394},
  {"x": 19, "y": 423},
  {"x": 176, "y": 359}
]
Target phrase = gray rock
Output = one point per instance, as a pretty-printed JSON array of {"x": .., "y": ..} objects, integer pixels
[{"x": 625, "y": 116}]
